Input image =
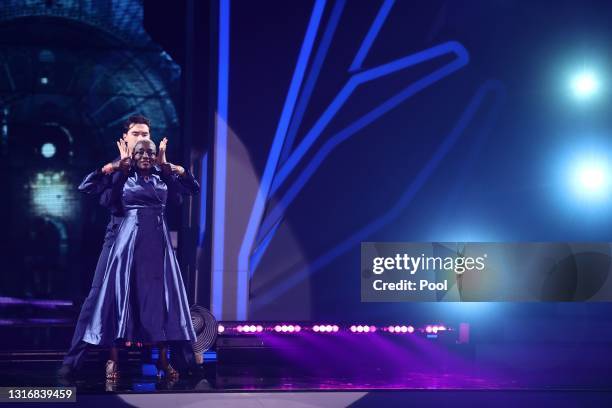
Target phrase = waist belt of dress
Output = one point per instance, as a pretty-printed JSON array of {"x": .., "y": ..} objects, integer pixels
[{"x": 144, "y": 210}]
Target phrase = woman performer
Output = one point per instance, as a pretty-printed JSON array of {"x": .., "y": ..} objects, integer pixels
[{"x": 142, "y": 298}]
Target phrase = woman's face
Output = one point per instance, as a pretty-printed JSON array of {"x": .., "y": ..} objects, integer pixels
[{"x": 144, "y": 154}]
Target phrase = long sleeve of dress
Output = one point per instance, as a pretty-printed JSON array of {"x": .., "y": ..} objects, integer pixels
[
  {"x": 179, "y": 186},
  {"x": 111, "y": 197},
  {"x": 94, "y": 183}
]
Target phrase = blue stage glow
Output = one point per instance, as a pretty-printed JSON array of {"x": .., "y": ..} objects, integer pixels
[
  {"x": 220, "y": 176},
  {"x": 582, "y": 174},
  {"x": 585, "y": 84},
  {"x": 474, "y": 312},
  {"x": 48, "y": 150},
  {"x": 590, "y": 178}
]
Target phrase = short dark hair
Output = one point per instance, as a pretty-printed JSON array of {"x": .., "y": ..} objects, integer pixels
[{"x": 134, "y": 120}]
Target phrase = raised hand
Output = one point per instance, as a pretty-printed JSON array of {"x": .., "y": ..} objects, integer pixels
[
  {"x": 161, "y": 156},
  {"x": 124, "y": 150},
  {"x": 125, "y": 154}
]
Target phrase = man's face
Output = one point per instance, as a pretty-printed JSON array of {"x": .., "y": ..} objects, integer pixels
[
  {"x": 137, "y": 132},
  {"x": 144, "y": 154}
]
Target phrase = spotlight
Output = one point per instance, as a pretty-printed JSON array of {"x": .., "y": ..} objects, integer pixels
[
  {"x": 48, "y": 150},
  {"x": 590, "y": 178},
  {"x": 428, "y": 329},
  {"x": 584, "y": 84},
  {"x": 220, "y": 328},
  {"x": 410, "y": 329},
  {"x": 277, "y": 328}
]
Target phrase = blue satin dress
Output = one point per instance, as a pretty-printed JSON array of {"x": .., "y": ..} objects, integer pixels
[{"x": 142, "y": 296}]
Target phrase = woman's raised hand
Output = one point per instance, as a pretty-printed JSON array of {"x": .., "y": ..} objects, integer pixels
[{"x": 125, "y": 154}]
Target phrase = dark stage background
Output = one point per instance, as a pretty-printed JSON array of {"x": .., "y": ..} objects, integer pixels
[{"x": 312, "y": 126}]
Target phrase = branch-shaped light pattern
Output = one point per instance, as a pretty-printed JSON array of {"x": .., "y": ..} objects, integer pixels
[
  {"x": 273, "y": 157},
  {"x": 402, "y": 63},
  {"x": 406, "y": 197}
]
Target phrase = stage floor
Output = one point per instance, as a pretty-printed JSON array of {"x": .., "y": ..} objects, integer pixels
[
  {"x": 283, "y": 387},
  {"x": 237, "y": 379},
  {"x": 261, "y": 379}
]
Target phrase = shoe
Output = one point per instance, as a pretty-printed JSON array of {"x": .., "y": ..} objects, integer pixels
[
  {"x": 112, "y": 373},
  {"x": 65, "y": 371},
  {"x": 168, "y": 372}
]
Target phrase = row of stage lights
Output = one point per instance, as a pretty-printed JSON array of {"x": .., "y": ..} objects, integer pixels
[{"x": 327, "y": 328}]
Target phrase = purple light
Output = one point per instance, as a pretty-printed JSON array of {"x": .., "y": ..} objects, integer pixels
[
  {"x": 325, "y": 328},
  {"x": 46, "y": 321},
  {"x": 233, "y": 328},
  {"x": 4, "y": 300}
]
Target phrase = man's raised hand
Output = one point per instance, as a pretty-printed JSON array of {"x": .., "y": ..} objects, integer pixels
[{"x": 161, "y": 157}]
